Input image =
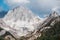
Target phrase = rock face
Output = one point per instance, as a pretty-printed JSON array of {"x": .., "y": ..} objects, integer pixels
[
  {"x": 22, "y": 23},
  {"x": 47, "y": 23}
]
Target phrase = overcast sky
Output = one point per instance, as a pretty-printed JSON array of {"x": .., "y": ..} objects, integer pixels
[{"x": 39, "y": 7}]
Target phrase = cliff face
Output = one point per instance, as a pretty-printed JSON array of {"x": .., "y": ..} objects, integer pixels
[
  {"x": 51, "y": 31},
  {"x": 48, "y": 23},
  {"x": 21, "y": 23}
]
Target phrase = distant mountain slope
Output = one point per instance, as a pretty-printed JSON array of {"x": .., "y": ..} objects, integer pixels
[{"x": 3, "y": 13}]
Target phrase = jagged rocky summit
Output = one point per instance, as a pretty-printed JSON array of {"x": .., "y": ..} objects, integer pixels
[{"x": 20, "y": 21}]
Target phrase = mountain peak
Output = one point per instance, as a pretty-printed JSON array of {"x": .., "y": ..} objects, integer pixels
[
  {"x": 19, "y": 12},
  {"x": 53, "y": 14},
  {"x": 21, "y": 21}
]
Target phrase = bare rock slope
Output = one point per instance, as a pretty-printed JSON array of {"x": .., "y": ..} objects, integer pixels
[{"x": 21, "y": 23}]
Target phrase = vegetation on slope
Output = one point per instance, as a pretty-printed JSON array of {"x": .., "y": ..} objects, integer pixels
[{"x": 51, "y": 34}]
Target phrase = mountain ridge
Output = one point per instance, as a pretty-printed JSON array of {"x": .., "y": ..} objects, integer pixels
[{"x": 21, "y": 22}]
